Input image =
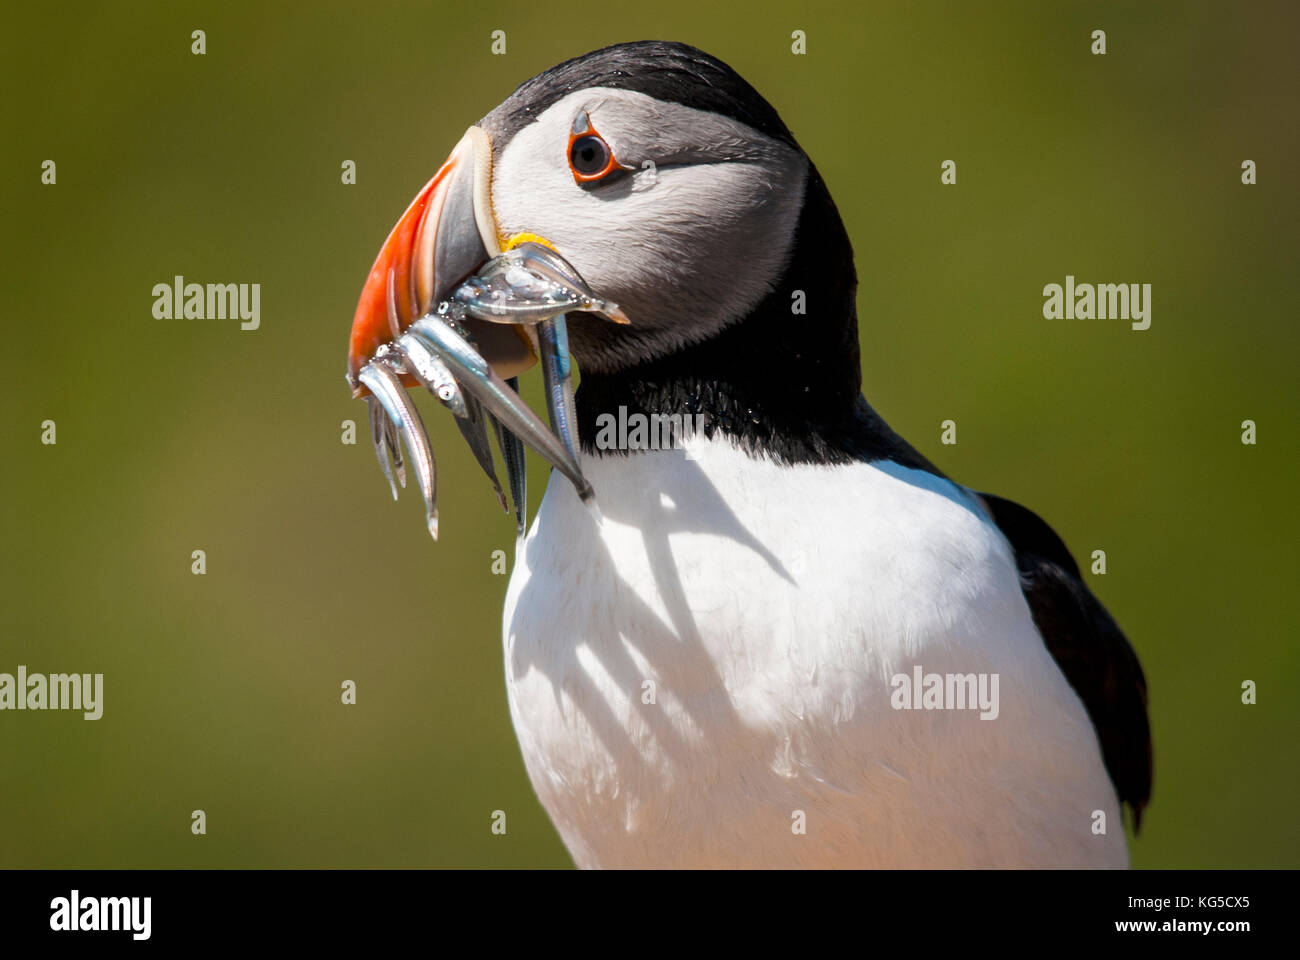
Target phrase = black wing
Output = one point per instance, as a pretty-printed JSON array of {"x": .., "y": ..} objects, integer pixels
[{"x": 1088, "y": 646}]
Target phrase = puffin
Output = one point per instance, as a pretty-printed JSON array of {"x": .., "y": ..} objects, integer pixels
[{"x": 786, "y": 639}]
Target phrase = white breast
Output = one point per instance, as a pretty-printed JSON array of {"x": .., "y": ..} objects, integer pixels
[{"x": 710, "y": 667}]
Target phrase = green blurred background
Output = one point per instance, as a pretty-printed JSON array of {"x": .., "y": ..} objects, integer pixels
[{"x": 222, "y": 691}]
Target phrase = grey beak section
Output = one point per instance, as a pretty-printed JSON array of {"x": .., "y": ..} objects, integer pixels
[
  {"x": 458, "y": 238},
  {"x": 503, "y": 403},
  {"x": 458, "y": 246}
]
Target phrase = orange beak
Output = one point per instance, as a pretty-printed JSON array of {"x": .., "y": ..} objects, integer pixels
[{"x": 446, "y": 234}]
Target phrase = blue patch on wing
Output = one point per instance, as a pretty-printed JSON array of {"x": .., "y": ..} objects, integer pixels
[{"x": 925, "y": 480}]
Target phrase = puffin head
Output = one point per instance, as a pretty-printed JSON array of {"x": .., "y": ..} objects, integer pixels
[
  {"x": 675, "y": 191},
  {"x": 670, "y": 184},
  {"x": 664, "y": 178}
]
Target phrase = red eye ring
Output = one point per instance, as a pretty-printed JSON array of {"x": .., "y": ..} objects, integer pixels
[{"x": 590, "y": 157}]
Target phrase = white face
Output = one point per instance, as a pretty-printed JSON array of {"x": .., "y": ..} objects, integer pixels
[{"x": 692, "y": 238}]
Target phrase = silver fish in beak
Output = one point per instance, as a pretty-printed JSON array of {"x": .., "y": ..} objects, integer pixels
[
  {"x": 420, "y": 322},
  {"x": 528, "y": 284}
]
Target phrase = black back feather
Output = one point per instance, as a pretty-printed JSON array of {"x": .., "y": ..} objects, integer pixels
[{"x": 1088, "y": 646}]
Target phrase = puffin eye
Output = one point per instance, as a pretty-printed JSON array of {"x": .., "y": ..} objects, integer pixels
[{"x": 590, "y": 157}]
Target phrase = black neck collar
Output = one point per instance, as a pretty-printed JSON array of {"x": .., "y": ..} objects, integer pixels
[{"x": 783, "y": 385}]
